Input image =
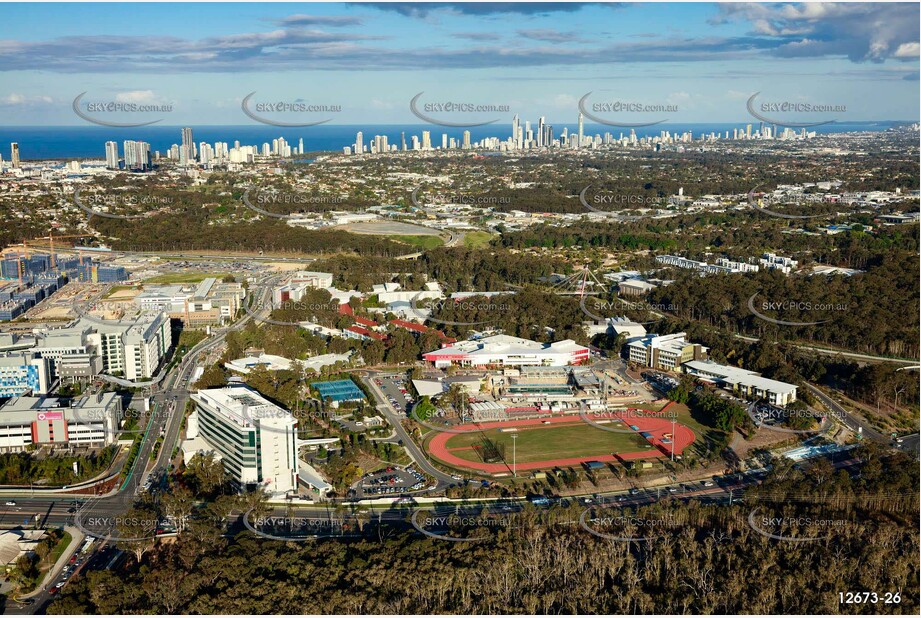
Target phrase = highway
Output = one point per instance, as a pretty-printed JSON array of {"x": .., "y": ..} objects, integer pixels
[
  {"x": 830, "y": 352},
  {"x": 208, "y": 256},
  {"x": 316, "y": 521},
  {"x": 97, "y": 514},
  {"x": 171, "y": 394}
]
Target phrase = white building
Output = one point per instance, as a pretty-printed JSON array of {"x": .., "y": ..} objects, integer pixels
[
  {"x": 635, "y": 287},
  {"x": 617, "y": 326},
  {"x": 746, "y": 383},
  {"x": 737, "y": 267},
  {"x": 90, "y": 421},
  {"x": 298, "y": 283},
  {"x": 71, "y": 353},
  {"x": 208, "y": 302},
  {"x": 665, "y": 352},
  {"x": 392, "y": 293},
  {"x": 132, "y": 348},
  {"x": 256, "y": 440},
  {"x": 135, "y": 348},
  {"x": 279, "y": 363},
  {"x": 504, "y": 350},
  {"x": 772, "y": 261},
  {"x": 722, "y": 266}
]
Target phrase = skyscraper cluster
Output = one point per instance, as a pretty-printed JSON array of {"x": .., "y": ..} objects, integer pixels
[
  {"x": 523, "y": 137},
  {"x": 137, "y": 155},
  {"x": 543, "y": 137}
]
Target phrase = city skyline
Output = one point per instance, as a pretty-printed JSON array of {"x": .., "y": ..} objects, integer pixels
[{"x": 138, "y": 154}]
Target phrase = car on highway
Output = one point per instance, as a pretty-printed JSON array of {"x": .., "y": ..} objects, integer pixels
[{"x": 11, "y": 503}]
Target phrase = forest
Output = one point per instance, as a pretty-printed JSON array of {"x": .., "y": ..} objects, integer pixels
[{"x": 545, "y": 563}]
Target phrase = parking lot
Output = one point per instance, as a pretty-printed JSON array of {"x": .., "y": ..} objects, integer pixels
[
  {"x": 660, "y": 381},
  {"x": 396, "y": 390},
  {"x": 392, "y": 481}
]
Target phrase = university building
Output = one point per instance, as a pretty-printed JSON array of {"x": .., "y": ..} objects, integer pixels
[{"x": 255, "y": 439}]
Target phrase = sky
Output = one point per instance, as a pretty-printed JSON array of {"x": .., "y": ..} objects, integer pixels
[{"x": 364, "y": 62}]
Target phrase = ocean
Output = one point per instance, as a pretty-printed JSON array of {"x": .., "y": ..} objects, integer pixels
[{"x": 88, "y": 142}]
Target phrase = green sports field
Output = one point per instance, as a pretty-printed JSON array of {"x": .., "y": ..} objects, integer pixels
[
  {"x": 548, "y": 442},
  {"x": 184, "y": 277}
]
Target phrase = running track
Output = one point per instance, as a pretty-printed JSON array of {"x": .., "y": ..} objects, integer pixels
[{"x": 655, "y": 423}]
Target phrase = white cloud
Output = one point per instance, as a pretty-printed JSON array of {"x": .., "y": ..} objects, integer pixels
[
  {"x": 136, "y": 96},
  {"x": 908, "y": 50},
  {"x": 15, "y": 98}
]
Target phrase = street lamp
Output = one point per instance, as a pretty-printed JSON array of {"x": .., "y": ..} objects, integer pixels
[
  {"x": 514, "y": 466},
  {"x": 674, "y": 418}
]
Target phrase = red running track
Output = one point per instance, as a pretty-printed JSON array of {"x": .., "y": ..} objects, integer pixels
[{"x": 655, "y": 423}]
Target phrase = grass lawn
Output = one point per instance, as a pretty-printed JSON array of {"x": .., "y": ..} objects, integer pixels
[
  {"x": 704, "y": 434},
  {"x": 59, "y": 549},
  {"x": 552, "y": 442},
  {"x": 422, "y": 241},
  {"x": 116, "y": 289},
  {"x": 184, "y": 277},
  {"x": 48, "y": 562},
  {"x": 475, "y": 240}
]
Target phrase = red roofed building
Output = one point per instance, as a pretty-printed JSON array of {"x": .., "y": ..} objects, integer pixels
[
  {"x": 419, "y": 328},
  {"x": 357, "y": 332}
]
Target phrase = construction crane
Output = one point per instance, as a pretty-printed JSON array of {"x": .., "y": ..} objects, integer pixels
[
  {"x": 50, "y": 238},
  {"x": 22, "y": 249}
]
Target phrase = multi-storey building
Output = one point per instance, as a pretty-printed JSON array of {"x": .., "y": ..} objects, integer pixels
[
  {"x": 665, "y": 352},
  {"x": 133, "y": 349},
  {"x": 746, "y": 383},
  {"x": 25, "y": 372},
  {"x": 90, "y": 421},
  {"x": 208, "y": 303},
  {"x": 295, "y": 287},
  {"x": 255, "y": 439}
]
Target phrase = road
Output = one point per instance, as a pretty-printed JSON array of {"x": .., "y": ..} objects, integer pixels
[
  {"x": 209, "y": 256},
  {"x": 828, "y": 352},
  {"x": 97, "y": 514},
  {"x": 171, "y": 395},
  {"x": 394, "y": 418},
  {"x": 909, "y": 444},
  {"x": 44, "y": 510},
  {"x": 176, "y": 387},
  {"x": 310, "y": 519},
  {"x": 849, "y": 420}
]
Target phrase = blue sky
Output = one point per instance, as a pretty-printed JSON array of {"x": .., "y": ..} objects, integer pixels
[{"x": 704, "y": 60}]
